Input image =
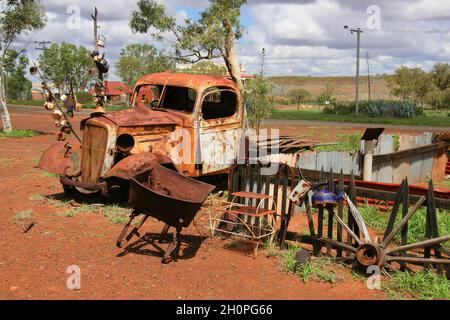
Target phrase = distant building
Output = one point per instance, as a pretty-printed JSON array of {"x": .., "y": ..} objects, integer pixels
[{"x": 117, "y": 92}]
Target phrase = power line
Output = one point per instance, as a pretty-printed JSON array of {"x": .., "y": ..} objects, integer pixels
[
  {"x": 409, "y": 31},
  {"x": 43, "y": 47}
]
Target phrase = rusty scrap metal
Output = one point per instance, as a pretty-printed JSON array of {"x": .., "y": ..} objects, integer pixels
[
  {"x": 61, "y": 158},
  {"x": 168, "y": 196},
  {"x": 383, "y": 252}
]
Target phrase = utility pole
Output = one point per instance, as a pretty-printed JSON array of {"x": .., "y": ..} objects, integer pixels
[
  {"x": 263, "y": 61},
  {"x": 358, "y": 43},
  {"x": 368, "y": 73},
  {"x": 94, "y": 17},
  {"x": 43, "y": 47}
]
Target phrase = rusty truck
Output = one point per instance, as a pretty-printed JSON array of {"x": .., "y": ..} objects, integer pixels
[{"x": 192, "y": 122}]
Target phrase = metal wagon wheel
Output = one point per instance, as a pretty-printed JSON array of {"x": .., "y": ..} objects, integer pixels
[{"x": 384, "y": 253}]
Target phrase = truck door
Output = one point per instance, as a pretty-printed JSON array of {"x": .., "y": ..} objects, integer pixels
[{"x": 220, "y": 128}]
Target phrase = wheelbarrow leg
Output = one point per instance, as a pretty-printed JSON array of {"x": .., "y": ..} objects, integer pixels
[
  {"x": 174, "y": 245},
  {"x": 164, "y": 232},
  {"x": 121, "y": 241}
]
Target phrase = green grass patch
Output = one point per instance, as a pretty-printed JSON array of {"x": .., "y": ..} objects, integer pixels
[
  {"x": 33, "y": 103},
  {"x": 423, "y": 285},
  {"x": 318, "y": 268},
  {"x": 18, "y": 134},
  {"x": 36, "y": 197},
  {"x": 416, "y": 226},
  {"x": 46, "y": 174},
  {"x": 423, "y": 120},
  {"x": 77, "y": 210},
  {"x": 116, "y": 214},
  {"x": 347, "y": 142},
  {"x": 23, "y": 215}
]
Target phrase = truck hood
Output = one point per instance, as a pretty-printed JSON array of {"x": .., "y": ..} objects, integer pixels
[{"x": 140, "y": 116}]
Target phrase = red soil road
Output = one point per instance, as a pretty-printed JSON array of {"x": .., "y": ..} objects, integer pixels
[{"x": 33, "y": 265}]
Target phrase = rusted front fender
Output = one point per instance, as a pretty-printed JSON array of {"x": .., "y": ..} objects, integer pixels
[
  {"x": 137, "y": 163},
  {"x": 62, "y": 158}
]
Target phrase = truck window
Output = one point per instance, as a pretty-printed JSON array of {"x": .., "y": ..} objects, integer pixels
[
  {"x": 219, "y": 103},
  {"x": 178, "y": 98}
]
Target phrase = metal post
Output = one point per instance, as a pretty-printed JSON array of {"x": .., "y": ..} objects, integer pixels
[
  {"x": 43, "y": 47},
  {"x": 368, "y": 160},
  {"x": 368, "y": 76}
]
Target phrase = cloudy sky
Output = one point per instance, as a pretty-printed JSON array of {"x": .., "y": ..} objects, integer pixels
[{"x": 301, "y": 37}]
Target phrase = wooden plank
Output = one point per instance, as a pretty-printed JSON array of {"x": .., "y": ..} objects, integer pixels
[{"x": 340, "y": 213}]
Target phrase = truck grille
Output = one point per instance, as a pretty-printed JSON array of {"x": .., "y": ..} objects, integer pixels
[{"x": 95, "y": 139}]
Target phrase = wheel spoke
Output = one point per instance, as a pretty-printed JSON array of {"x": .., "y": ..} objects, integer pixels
[
  {"x": 347, "y": 228},
  {"x": 418, "y": 260},
  {"x": 402, "y": 223},
  {"x": 421, "y": 244},
  {"x": 358, "y": 218}
]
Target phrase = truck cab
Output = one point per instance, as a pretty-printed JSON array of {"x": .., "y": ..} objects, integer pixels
[{"x": 193, "y": 121}]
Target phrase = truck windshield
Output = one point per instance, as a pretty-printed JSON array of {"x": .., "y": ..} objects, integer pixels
[{"x": 174, "y": 98}]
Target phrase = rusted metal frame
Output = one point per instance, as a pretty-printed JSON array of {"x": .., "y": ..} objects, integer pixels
[
  {"x": 340, "y": 213},
  {"x": 123, "y": 237},
  {"x": 85, "y": 185}
]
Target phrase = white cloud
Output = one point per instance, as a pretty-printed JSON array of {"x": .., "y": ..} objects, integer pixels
[{"x": 300, "y": 36}]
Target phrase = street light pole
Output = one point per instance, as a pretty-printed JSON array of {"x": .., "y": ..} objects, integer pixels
[
  {"x": 358, "y": 44},
  {"x": 43, "y": 47}
]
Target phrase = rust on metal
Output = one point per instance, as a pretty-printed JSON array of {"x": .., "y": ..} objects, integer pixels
[
  {"x": 61, "y": 158},
  {"x": 134, "y": 164},
  {"x": 199, "y": 134}
]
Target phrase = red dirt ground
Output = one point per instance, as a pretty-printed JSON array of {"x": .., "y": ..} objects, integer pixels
[{"x": 33, "y": 265}]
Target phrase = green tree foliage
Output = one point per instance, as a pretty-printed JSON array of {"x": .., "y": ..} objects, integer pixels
[
  {"x": 299, "y": 95},
  {"x": 416, "y": 85},
  {"x": 441, "y": 76},
  {"x": 411, "y": 84},
  {"x": 65, "y": 62},
  {"x": 17, "y": 85},
  {"x": 207, "y": 67},
  {"x": 17, "y": 17},
  {"x": 259, "y": 104},
  {"x": 137, "y": 60},
  {"x": 211, "y": 36}
]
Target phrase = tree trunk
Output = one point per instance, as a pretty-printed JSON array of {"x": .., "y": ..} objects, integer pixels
[
  {"x": 230, "y": 57},
  {"x": 3, "y": 108}
]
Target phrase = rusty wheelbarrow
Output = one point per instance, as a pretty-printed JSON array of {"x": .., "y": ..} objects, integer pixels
[{"x": 168, "y": 196}]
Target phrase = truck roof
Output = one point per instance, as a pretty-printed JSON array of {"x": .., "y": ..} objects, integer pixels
[{"x": 194, "y": 81}]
